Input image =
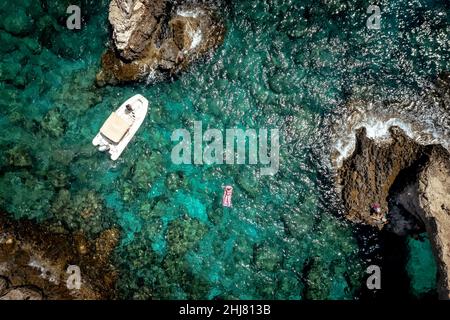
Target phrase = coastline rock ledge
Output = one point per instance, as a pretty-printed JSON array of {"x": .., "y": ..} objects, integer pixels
[
  {"x": 153, "y": 39},
  {"x": 407, "y": 178},
  {"x": 401, "y": 173}
]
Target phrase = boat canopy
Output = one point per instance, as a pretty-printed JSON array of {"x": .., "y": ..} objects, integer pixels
[{"x": 115, "y": 128}]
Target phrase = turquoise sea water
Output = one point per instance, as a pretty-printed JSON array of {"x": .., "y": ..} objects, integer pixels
[
  {"x": 283, "y": 64},
  {"x": 421, "y": 266}
]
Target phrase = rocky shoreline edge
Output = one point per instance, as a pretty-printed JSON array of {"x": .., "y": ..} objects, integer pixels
[
  {"x": 34, "y": 262},
  {"x": 401, "y": 174},
  {"x": 156, "y": 39}
]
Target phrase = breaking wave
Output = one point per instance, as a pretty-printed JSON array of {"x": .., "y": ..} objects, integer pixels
[{"x": 426, "y": 120}]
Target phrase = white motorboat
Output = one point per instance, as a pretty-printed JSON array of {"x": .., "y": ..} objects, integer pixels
[{"x": 121, "y": 126}]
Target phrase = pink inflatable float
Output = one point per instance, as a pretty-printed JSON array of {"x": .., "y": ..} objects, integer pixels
[{"x": 227, "y": 193}]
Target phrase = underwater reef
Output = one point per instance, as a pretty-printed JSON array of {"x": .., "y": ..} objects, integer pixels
[{"x": 155, "y": 39}]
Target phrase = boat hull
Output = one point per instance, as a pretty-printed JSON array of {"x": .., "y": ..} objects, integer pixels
[{"x": 140, "y": 108}]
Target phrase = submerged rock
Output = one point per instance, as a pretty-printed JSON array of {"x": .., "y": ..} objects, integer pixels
[
  {"x": 315, "y": 289},
  {"x": 184, "y": 234},
  {"x": 19, "y": 23},
  {"x": 153, "y": 39},
  {"x": 267, "y": 258},
  {"x": 83, "y": 210},
  {"x": 34, "y": 262},
  {"x": 54, "y": 123},
  {"x": 19, "y": 156}
]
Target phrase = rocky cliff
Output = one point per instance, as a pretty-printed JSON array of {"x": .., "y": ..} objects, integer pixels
[
  {"x": 401, "y": 172},
  {"x": 434, "y": 199},
  {"x": 367, "y": 176},
  {"x": 152, "y": 39},
  {"x": 400, "y": 161}
]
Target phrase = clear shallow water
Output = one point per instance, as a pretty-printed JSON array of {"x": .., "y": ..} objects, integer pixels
[
  {"x": 283, "y": 64},
  {"x": 421, "y": 266}
]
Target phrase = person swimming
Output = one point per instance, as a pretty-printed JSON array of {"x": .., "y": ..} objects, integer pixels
[{"x": 226, "y": 199}]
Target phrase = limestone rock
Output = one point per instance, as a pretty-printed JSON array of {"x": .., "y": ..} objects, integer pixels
[
  {"x": 369, "y": 175},
  {"x": 4, "y": 285},
  {"x": 434, "y": 198},
  {"x": 155, "y": 39},
  {"x": 22, "y": 293},
  {"x": 133, "y": 23}
]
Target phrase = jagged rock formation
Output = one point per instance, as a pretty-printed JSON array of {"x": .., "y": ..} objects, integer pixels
[
  {"x": 434, "y": 199},
  {"x": 20, "y": 293},
  {"x": 369, "y": 175},
  {"x": 34, "y": 263},
  {"x": 410, "y": 180},
  {"x": 428, "y": 199},
  {"x": 154, "y": 38}
]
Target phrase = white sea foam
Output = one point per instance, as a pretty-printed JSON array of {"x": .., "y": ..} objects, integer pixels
[
  {"x": 377, "y": 125},
  {"x": 151, "y": 76},
  {"x": 45, "y": 272},
  {"x": 196, "y": 38},
  {"x": 189, "y": 13}
]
